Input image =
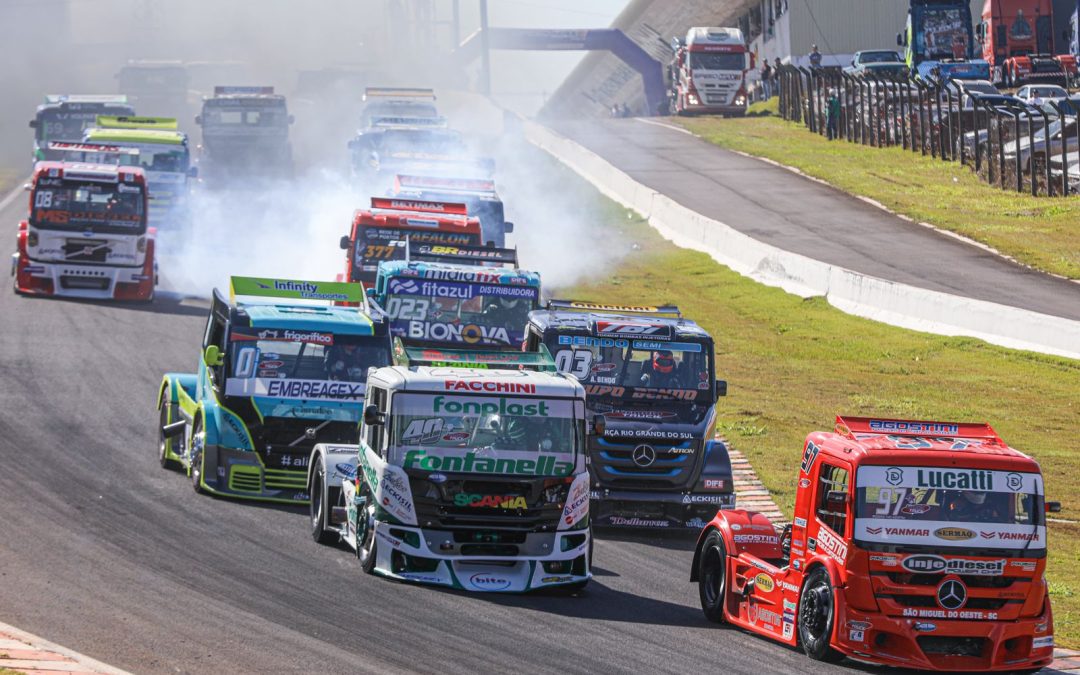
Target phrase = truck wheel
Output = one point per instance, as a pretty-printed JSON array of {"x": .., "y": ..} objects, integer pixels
[
  {"x": 367, "y": 549},
  {"x": 817, "y": 611},
  {"x": 320, "y": 510},
  {"x": 712, "y": 577},
  {"x": 165, "y": 444},
  {"x": 196, "y": 469}
]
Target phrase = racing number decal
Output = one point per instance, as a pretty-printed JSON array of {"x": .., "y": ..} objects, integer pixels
[
  {"x": 809, "y": 455},
  {"x": 245, "y": 362},
  {"x": 413, "y": 309},
  {"x": 43, "y": 199},
  {"x": 377, "y": 252},
  {"x": 577, "y": 363}
]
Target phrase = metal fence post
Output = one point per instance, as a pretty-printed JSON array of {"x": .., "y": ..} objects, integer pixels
[{"x": 1015, "y": 112}]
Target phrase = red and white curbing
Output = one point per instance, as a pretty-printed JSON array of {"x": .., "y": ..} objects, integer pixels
[{"x": 23, "y": 652}]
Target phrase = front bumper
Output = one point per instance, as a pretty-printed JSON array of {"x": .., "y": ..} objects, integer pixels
[
  {"x": 431, "y": 556},
  {"x": 706, "y": 109},
  {"x": 95, "y": 282},
  {"x": 656, "y": 510},
  {"x": 240, "y": 474}
]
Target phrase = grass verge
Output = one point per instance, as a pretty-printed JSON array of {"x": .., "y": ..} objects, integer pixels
[
  {"x": 1038, "y": 231},
  {"x": 793, "y": 364}
]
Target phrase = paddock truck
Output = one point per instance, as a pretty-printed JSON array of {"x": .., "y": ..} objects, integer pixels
[
  {"x": 939, "y": 42},
  {"x": 275, "y": 377},
  {"x": 915, "y": 544},
  {"x": 1017, "y": 39},
  {"x": 64, "y": 118},
  {"x": 473, "y": 478},
  {"x": 708, "y": 72},
  {"x": 651, "y": 387},
  {"x": 86, "y": 234},
  {"x": 379, "y": 234}
]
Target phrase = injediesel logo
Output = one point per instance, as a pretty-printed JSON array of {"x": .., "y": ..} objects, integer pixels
[
  {"x": 936, "y": 564},
  {"x": 470, "y": 463}
]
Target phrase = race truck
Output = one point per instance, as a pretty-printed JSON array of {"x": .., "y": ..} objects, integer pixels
[
  {"x": 650, "y": 381},
  {"x": 164, "y": 157},
  {"x": 379, "y": 234},
  {"x": 708, "y": 72},
  {"x": 398, "y": 103},
  {"x": 915, "y": 544},
  {"x": 1017, "y": 38},
  {"x": 86, "y": 235},
  {"x": 155, "y": 87},
  {"x": 393, "y": 147},
  {"x": 276, "y": 376},
  {"x": 63, "y": 118},
  {"x": 470, "y": 475},
  {"x": 939, "y": 43},
  {"x": 478, "y": 195},
  {"x": 457, "y": 296},
  {"x": 245, "y": 132}
]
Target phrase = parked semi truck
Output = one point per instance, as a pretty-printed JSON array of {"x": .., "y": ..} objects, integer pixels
[
  {"x": 939, "y": 42},
  {"x": 708, "y": 72},
  {"x": 1017, "y": 38}
]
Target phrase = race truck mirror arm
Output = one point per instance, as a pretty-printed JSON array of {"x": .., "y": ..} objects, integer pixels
[
  {"x": 33, "y": 124},
  {"x": 599, "y": 424},
  {"x": 213, "y": 356},
  {"x": 198, "y": 120},
  {"x": 721, "y": 388},
  {"x": 344, "y": 243},
  {"x": 173, "y": 430},
  {"x": 1053, "y": 507},
  {"x": 508, "y": 226},
  {"x": 372, "y": 416}
]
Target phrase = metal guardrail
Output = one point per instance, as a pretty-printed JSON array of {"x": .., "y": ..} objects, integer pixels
[{"x": 938, "y": 119}]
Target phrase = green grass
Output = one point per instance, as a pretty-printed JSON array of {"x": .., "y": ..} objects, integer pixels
[
  {"x": 1038, "y": 231},
  {"x": 793, "y": 364}
]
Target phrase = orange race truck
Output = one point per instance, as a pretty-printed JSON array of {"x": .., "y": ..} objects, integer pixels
[{"x": 915, "y": 544}]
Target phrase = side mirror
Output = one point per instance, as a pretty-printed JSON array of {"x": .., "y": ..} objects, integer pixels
[
  {"x": 354, "y": 144},
  {"x": 599, "y": 424},
  {"x": 292, "y": 119},
  {"x": 836, "y": 498},
  {"x": 1053, "y": 507},
  {"x": 344, "y": 243},
  {"x": 198, "y": 120},
  {"x": 213, "y": 356},
  {"x": 193, "y": 172},
  {"x": 372, "y": 416},
  {"x": 173, "y": 430},
  {"x": 721, "y": 388},
  {"x": 33, "y": 124},
  {"x": 508, "y": 226},
  {"x": 899, "y": 39},
  {"x": 370, "y": 292}
]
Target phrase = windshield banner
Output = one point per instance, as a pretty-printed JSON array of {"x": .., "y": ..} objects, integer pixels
[
  {"x": 307, "y": 390},
  {"x": 930, "y": 478},
  {"x": 944, "y": 533}
]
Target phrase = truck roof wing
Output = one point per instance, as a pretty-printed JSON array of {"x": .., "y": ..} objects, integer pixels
[
  {"x": 128, "y": 122},
  {"x": 100, "y": 148},
  {"x": 419, "y": 206},
  {"x": 849, "y": 426},
  {"x": 408, "y": 122},
  {"x": 494, "y": 359},
  {"x": 292, "y": 289},
  {"x": 460, "y": 254},
  {"x": 230, "y": 90},
  {"x": 585, "y": 306},
  {"x": 444, "y": 184},
  {"x": 399, "y": 92}
]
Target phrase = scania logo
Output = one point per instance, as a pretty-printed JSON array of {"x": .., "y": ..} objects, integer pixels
[
  {"x": 644, "y": 455},
  {"x": 952, "y": 594}
]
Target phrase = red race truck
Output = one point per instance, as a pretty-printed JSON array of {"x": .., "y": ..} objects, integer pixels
[
  {"x": 915, "y": 544},
  {"x": 379, "y": 233},
  {"x": 1017, "y": 38},
  {"x": 86, "y": 234}
]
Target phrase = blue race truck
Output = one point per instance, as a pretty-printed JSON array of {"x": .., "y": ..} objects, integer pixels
[{"x": 939, "y": 41}]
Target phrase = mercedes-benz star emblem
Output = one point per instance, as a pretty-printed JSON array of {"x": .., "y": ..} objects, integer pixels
[
  {"x": 644, "y": 455},
  {"x": 952, "y": 594}
]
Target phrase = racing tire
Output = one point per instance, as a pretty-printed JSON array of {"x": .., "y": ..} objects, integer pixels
[
  {"x": 367, "y": 549},
  {"x": 712, "y": 577},
  {"x": 165, "y": 443},
  {"x": 319, "y": 531},
  {"x": 817, "y": 612},
  {"x": 196, "y": 470}
]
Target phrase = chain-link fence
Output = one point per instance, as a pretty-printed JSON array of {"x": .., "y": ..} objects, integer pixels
[{"x": 1008, "y": 143}]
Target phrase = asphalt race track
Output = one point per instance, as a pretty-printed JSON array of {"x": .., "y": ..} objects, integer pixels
[
  {"x": 104, "y": 552},
  {"x": 778, "y": 207}
]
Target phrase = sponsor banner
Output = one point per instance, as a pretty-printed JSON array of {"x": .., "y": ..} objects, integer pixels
[
  {"x": 669, "y": 346},
  {"x": 654, "y": 433},
  {"x": 281, "y": 335},
  {"x": 947, "y": 534},
  {"x": 633, "y": 330},
  {"x": 451, "y": 332},
  {"x": 961, "y": 614},
  {"x": 421, "y": 405},
  {"x": 832, "y": 545},
  {"x": 929, "y": 478},
  {"x": 461, "y": 291},
  {"x": 311, "y": 390},
  {"x": 452, "y": 461},
  {"x": 622, "y": 521},
  {"x": 936, "y": 564},
  {"x": 299, "y": 290}
]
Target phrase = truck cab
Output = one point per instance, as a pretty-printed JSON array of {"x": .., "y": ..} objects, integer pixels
[
  {"x": 86, "y": 234},
  {"x": 939, "y": 42},
  {"x": 379, "y": 234},
  {"x": 279, "y": 372},
  {"x": 1017, "y": 38},
  {"x": 470, "y": 473},
  {"x": 401, "y": 103},
  {"x": 914, "y": 544},
  {"x": 155, "y": 87},
  {"x": 245, "y": 133},
  {"x": 708, "y": 72},
  {"x": 651, "y": 387},
  {"x": 163, "y": 155},
  {"x": 457, "y": 296},
  {"x": 477, "y": 194},
  {"x": 392, "y": 146},
  {"x": 63, "y": 118}
]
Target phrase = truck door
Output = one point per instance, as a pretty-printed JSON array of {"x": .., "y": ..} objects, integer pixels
[{"x": 829, "y": 520}]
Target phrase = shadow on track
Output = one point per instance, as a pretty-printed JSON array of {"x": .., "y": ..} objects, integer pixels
[
  {"x": 674, "y": 540},
  {"x": 164, "y": 303}
]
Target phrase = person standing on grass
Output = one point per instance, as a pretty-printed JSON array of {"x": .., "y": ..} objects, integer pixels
[
  {"x": 815, "y": 57},
  {"x": 832, "y": 115},
  {"x": 766, "y": 80}
]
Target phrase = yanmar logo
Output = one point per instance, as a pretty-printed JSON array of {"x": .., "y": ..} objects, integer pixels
[{"x": 899, "y": 531}]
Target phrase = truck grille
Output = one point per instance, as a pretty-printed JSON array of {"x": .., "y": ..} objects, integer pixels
[
  {"x": 951, "y": 646},
  {"x": 86, "y": 250},
  {"x": 928, "y": 601},
  {"x": 283, "y": 442},
  {"x": 674, "y": 468},
  {"x": 436, "y": 507},
  {"x": 970, "y": 580}
]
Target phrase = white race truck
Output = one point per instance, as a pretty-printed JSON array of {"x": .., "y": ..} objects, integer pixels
[
  {"x": 465, "y": 476},
  {"x": 708, "y": 72}
]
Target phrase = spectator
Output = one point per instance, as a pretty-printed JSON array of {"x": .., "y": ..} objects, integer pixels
[
  {"x": 776, "y": 76},
  {"x": 815, "y": 57},
  {"x": 832, "y": 115},
  {"x": 766, "y": 80}
]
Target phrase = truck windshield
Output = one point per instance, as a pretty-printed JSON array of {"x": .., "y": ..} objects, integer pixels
[
  {"x": 60, "y": 204},
  {"x": 718, "y": 61},
  {"x": 949, "y": 507},
  {"x": 461, "y": 312},
  {"x": 879, "y": 57},
  {"x": 302, "y": 364},
  {"x": 69, "y": 125},
  {"x": 422, "y": 141},
  {"x": 941, "y": 28},
  {"x": 380, "y": 244},
  {"x": 238, "y": 114},
  {"x": 167, "y": 157},
  {"x": 626, "y": 368},
  {"x": 484, "y": 434}
]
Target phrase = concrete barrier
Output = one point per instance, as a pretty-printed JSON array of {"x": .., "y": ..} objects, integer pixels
[{"x": 859, "y": 294}]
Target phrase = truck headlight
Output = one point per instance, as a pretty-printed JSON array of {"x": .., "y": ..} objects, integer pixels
[
  {"x": 693, "y": 99},
  {"x": 31, "y": 238},
  {"x": 740, "y": 100}
]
